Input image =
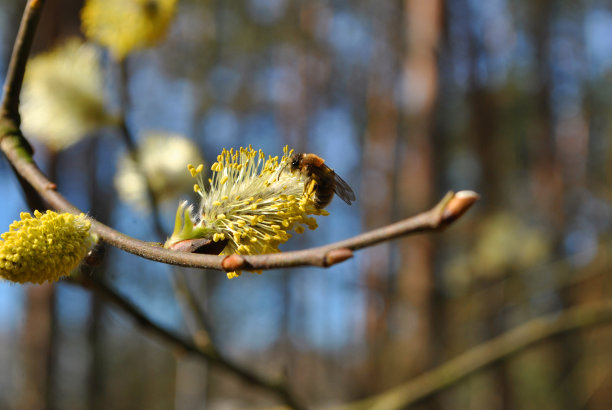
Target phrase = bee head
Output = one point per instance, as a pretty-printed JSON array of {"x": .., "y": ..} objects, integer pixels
[
  {"x": 293, "y": 164},
  {"x": 295, "y": 161}
]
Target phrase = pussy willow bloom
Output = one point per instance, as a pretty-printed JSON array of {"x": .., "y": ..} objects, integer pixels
[
  {"x": 127, "y": 25},
  {"x": 253, "y": 203},
  {"x": 45, "y": 247},
  {"x": 161, "y": 158},
  {"x": 62, "y": 98}
]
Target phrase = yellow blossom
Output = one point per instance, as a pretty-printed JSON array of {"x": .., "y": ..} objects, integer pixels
[
  {"x": 62, "y": 98},
  {"x": 161, "y": 157},
  {"x": 254, "y": 203},
  {"x": 127, "y": 25},
  {"x": 44, "y": 247}
]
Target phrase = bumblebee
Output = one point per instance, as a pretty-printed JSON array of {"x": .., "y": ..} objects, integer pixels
[{"x": 326, "y": 181}]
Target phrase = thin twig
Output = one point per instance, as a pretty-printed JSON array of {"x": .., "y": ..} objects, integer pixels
[
  {"x": 486, "y": 354},
  {"x": 201, "y": 331},
  {"x": 130, "y": 143},
  {"x": 445, "y": 212},
  {"x": 183, "y": 345},
  {"x": 21, "y": 51}
]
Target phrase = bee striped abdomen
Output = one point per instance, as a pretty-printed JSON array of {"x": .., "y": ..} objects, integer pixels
[{"x": 324, "y": 192}]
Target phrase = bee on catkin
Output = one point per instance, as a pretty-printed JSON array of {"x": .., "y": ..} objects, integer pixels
[{"x": 326, "y": 181}]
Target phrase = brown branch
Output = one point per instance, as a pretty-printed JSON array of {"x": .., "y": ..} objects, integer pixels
[
  {"x": 451, "y": 207},
  {"x": 182, "y": 345},
  {"x": 486, "y": 354},
  {"x": 9, "y": 107},
  {"x": 16, "y": 69}
]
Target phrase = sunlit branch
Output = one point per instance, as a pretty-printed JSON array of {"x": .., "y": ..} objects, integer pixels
[
  {"x": 450, "y": 208},
  {"x": 486, "y": 354}
]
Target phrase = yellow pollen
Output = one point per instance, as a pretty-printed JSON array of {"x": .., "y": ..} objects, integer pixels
[{"x": 254, "y": 201}]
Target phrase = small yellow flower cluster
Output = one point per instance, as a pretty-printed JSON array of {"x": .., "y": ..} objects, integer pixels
[
  {"x": 45, "y": 247},
  {"x": 127, "y": 25},
  {"x": 253, "y": 203}
]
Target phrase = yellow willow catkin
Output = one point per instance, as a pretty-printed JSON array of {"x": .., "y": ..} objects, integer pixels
[
  {"x": 127, "y": 25},
  {"x": 254, "y": 203},
  {"x": 44, "y": 247}
]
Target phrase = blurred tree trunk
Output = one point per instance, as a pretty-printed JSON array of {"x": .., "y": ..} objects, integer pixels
[
  {"x": 547, "y": 185},
  {"x": 101, "y": 201},
  {"x": 38, "y": 344},
  {"x": 379, "y": 145},
  {"x": 412, "y": 337},
  {"x": 558, "y": 150},
  {"x": 483, "y": 126},
  {"x": 95, "y": 376}
]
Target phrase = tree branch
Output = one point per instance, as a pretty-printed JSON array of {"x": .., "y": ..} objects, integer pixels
[
  {"x": 19, "y": 58},
  {"x": 9, "y": 107},
  {"x": 18, "y": 152},
  {"x": 486, "y": 354},
  {"x": 449, "y": 209}
]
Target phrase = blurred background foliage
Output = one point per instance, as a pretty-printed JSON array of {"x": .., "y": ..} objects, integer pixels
[{"x": 405, "y": 100}]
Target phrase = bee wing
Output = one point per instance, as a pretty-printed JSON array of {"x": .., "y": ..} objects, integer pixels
[{"x": 343, "y": 190}]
